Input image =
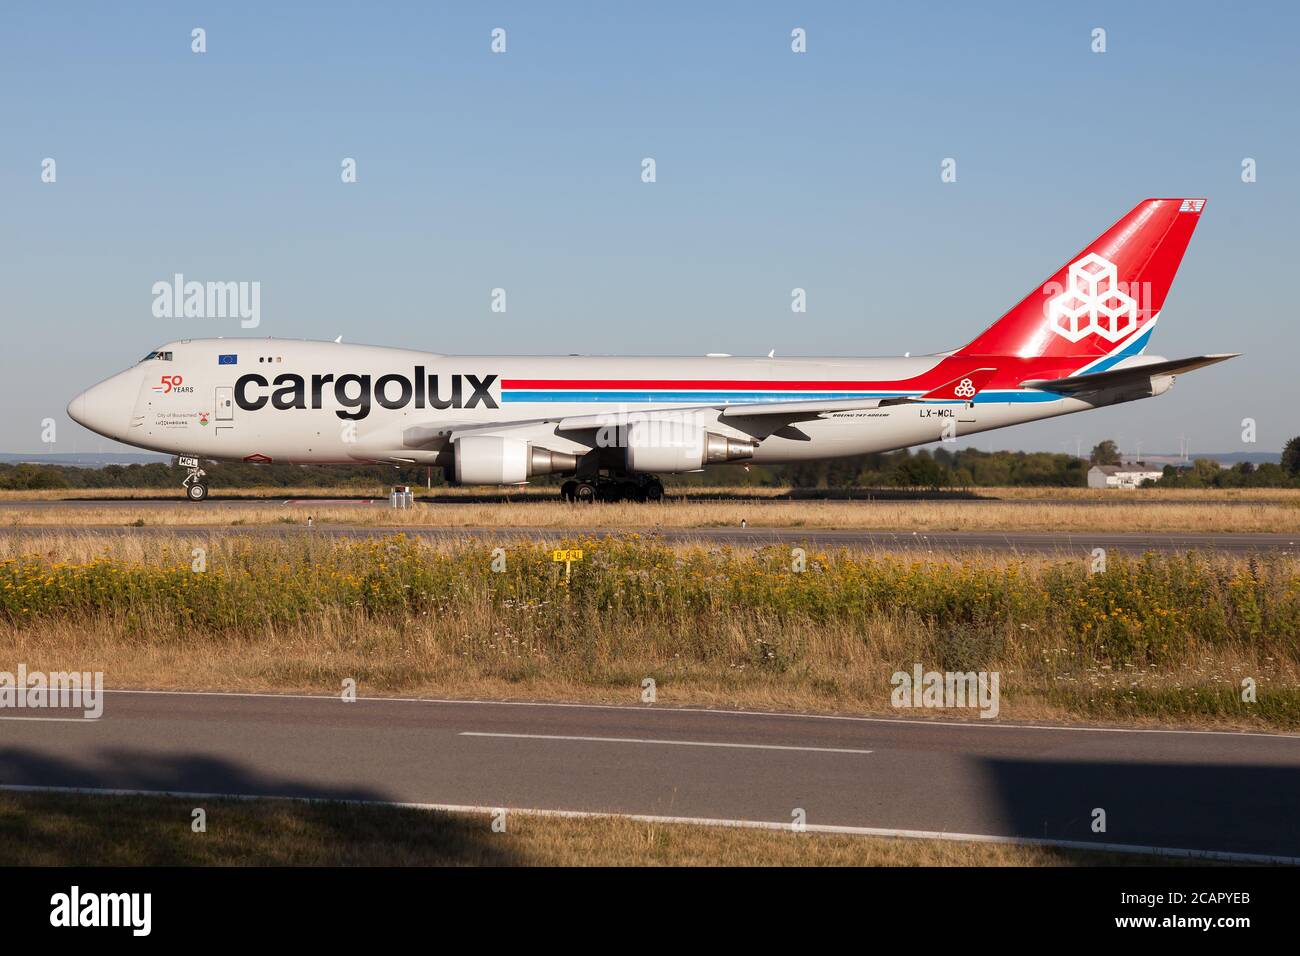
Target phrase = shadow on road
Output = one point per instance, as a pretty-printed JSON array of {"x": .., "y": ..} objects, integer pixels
[
  {"x": 676, "y": 495},
  {"x": 1246, "y": 808},
  {"x": 94, "y": 829}
]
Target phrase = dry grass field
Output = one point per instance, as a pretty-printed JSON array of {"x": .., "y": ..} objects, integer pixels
[
  {"x": 50, "y": 829},
  {"x": 1156, "y": 640}
]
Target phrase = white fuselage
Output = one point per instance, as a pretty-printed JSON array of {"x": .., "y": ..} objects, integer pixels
[{"x": 282, "y": 400}]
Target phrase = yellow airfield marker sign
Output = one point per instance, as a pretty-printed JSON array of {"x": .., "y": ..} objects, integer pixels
[{"x": 568, "y": 556}]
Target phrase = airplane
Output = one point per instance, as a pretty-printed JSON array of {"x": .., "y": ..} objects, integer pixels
[{"x": 614, "y": 425}]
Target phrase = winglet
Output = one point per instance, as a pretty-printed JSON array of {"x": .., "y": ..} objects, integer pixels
[{"x": 961, "y": 389}]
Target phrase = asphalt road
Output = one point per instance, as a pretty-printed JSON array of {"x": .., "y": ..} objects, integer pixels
[
  {"x": 1028, "y": 542},
  {"x": 1213, "y": 792}
]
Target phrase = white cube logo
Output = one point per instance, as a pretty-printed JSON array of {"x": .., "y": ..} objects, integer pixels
[
  {"x": 1093, "y": 276},
  {"x": 1068, "y": 315},
  {"x": 1116, "y": 316},
  {"x": 1092, "y": 303}
]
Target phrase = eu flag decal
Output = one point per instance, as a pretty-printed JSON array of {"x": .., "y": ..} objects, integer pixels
[{"x": 227, "y": 359}]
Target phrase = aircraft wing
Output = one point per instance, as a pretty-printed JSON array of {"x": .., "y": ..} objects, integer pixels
[
  {"x": 801, "y": 409},
  {"x": 1128, "y": 375},
  {"x": 756, "y": 418},
  {"x": 963, "y": 388},
  {"x": 788, "y": 410}
]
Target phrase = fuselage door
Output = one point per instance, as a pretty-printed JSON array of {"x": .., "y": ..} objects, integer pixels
[{"x": 225, "y": 403}]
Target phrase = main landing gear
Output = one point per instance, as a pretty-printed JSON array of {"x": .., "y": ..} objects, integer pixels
[
  {"x": 611, "y": 488},
  {"x": 195, "y": 483}
]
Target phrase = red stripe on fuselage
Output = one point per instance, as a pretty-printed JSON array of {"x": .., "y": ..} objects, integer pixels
[
  {"x": 764, "y": 384},
  {"x": 1011, "y": 370}
]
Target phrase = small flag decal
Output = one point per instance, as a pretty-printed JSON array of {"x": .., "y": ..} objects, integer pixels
[{"x": 227, "y": 359}]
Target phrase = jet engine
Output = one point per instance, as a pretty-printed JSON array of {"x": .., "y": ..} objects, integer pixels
[
  {"x": 664, "y": 446},
  {"x": 495, "y": 460}
]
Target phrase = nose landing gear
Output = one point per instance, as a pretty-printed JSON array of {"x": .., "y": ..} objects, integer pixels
[{"x": 195, "y": 483}]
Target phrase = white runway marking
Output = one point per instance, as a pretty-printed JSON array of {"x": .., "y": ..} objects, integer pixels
[
  {"x": 57, "y": 720},
  {"x": 674, "y": 743},
  {"x": 887, "y": 832}
]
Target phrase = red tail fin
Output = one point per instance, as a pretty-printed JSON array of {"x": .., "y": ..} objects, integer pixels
[{"x": 1105, "y": 299}]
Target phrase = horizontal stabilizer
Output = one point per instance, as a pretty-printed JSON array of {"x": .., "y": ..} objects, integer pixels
[{"x": 1123, "y": 376}]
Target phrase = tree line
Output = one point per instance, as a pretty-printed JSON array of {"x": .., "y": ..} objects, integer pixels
[{"x": 926, "y": 468}]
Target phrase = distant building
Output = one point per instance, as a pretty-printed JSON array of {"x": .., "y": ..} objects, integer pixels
[{"x": 1120, "y": 476}]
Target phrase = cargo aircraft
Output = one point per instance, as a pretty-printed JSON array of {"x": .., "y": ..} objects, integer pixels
[{"x": 1077, "y": 341}]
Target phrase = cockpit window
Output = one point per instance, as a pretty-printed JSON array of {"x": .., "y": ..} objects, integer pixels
[{"x": 163, "y": 356}]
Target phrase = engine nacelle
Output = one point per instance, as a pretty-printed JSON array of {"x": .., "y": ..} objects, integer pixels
[
  {"x": 657, "y": 446},
  {"x": 1132, "y": 392},
  {"x": 496, "y": 460}
]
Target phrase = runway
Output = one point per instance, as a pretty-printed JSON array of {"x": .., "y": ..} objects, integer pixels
[
  {"x": 1026, "y": 542},
  {"x": 1203, "y": 791}
]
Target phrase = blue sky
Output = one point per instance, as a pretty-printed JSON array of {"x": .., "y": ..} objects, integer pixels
[{"x": 522, "y": 171}]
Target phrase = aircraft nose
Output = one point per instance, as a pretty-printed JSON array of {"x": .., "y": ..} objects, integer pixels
[
  {"x": 75, "y": 409},
  {"x": 105, "y": 408}
]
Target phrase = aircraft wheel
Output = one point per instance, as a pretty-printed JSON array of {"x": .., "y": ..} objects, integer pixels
[
  {"x": 566, "y": 490},
  {"x": 584, "y": 492},
  {"x": 196, "y": 491},
  {"x": 654, "y": 490}
]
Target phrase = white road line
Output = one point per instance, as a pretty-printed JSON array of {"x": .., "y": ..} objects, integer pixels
[
  {"x": 669, "y": 709},
  {"x": 63, "y": 720},
  {"x": 886, "y": 832},
  {"x": 674, "y": 743}
]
